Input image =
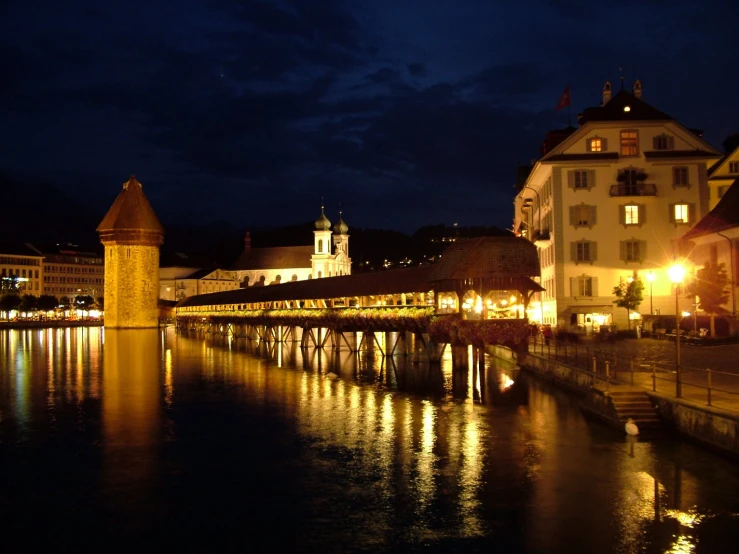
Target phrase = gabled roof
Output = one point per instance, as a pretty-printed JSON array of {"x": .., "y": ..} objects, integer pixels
[
  {"x": 724, "y": 215},
  {"x": 131, "y": 211},
  {"x": 715, "y": 167},
  {"x": 613, "y": 110},
  {"x": 277, "y": 257},
  {"x": 487, "y": 257}
]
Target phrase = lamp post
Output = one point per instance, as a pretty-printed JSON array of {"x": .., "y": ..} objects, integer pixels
[
  {"x": 538, "y": 206},
  {"x": 650, "y": 278},
  {"x": 677, "y": 274}
]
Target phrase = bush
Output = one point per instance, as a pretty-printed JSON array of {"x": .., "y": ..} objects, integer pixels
[{"x": 567, "y": 336}]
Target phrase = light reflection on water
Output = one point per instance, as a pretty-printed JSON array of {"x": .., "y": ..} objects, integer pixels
[{"x": 414, "y": 456}]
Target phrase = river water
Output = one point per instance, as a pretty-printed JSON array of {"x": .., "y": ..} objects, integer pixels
[{"x": 152, "y": 441}]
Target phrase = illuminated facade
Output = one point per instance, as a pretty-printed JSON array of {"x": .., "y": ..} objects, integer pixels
[
  {"x": 328, "y": 257},
  {"x": 609, "y": 201},
  {"x": 131, "y": 234},
  {"x": 175, "y": 283},
  {"x": 70, "y": 272},
  {"x": 21, "y": 266},
  {"x": 723, "y": 173}
]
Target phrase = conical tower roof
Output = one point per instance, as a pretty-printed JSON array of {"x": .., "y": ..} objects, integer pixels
[{"x": 131, "y": 218}]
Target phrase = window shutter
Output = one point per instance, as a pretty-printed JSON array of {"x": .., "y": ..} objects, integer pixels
[
  {"x": 595, "y": 285},
  {"x": 592, "y": 218},
  {"x": 691, "y": 214},
  {"x": 642, "y": 214},
  {"x": 591, "y": 179},
  {"x": 622, "y": 215},
  {"x": 573, "y": 286},
  {"x": 588, "y": 145},
  {"x": 671, "y": 143},
  {"x": 622, "y": 250},
  {"x": 573, "y": 215},
  {"x": 593, "y": 251},
  {"x": 571, "y": 179},
  {"x": 604, "y": 144},
  {"x": 671, "y": 209},
  {"x": 655, "y": 144},
  {"x": 642, "y": 250},
  {"x": 573, "y": 251}
]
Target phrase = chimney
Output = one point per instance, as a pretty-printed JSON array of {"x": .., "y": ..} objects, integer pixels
[
  {"x": 607, "y": 90},
  {"x": 636, "y": 89},
  {"x": 247, "y": 242}
]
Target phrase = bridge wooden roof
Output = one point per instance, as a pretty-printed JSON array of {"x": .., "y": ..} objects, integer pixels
[{"x": 500, "y": 263}]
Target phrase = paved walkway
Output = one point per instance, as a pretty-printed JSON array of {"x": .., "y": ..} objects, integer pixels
[{"x": 645, "y": 354}]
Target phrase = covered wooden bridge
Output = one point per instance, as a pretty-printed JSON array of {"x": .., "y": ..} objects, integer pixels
[{"x": 487, "y": 279}]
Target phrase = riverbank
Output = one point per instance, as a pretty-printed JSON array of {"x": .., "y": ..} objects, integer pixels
[
  {"x": 716, "y": 428},
  {"x": 50, "y": 323}
]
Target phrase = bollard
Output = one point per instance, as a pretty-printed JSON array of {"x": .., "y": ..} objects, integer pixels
[
  {"x": 654, "y": 378},
  {"x": 608, "y": 374},
  {"x": 709, "y": 386},
  {"x": 632, "y": 371},
  {"x": 595, "y": 368}
]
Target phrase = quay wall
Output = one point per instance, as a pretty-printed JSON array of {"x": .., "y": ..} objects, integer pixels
[{"x": 711, "y": 427}]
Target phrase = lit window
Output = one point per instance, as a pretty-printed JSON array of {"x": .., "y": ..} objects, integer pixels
[
  {"x": 680, "y": 176},
  {"x": 681, "y": 213},
  {"x": 629, "y": 143},
  {"x": 581, "y": 179},
  {"x": 631, "y": 215},
  {"x": 595, "y": 145}
]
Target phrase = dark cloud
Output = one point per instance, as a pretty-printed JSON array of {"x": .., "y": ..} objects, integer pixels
[{"x": 252, "y": 110}]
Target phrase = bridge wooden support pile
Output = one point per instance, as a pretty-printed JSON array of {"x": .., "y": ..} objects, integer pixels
[{"x": 399, "y": 343}]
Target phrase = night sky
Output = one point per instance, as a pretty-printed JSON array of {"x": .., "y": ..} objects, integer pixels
[{"x": 407, "y": 112}]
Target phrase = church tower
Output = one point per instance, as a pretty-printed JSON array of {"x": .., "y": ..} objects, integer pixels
[
  {"x": 321, "y": 258},
  {"x": 342, "y": 262},
  {"x": 131, "y": 234}
]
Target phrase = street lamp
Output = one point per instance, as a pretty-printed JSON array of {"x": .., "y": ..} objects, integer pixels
[
  {"x": 677, "y": 274},
  {"x": 650, "y": 278}
]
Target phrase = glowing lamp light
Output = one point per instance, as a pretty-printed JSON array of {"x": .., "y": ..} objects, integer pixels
[
  {"x": 627, "y": 108},
  {"x": 650, "y": 276},
  {"x": 676, "y": 273},
  {"x": 686, "y": 314}
]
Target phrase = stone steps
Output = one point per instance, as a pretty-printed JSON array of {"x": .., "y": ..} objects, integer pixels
[{"x": 638, "y": 407}]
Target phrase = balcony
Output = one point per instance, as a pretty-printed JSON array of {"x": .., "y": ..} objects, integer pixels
[
  {"x": 634, "y": 189},
  {"x": 541, "y": 235}
]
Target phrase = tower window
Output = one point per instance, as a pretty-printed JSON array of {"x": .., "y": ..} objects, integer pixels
[{"x": 320, "y": 246}]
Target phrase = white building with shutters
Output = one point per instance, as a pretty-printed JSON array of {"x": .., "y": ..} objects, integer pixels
[{"x": 609, "y": 201}]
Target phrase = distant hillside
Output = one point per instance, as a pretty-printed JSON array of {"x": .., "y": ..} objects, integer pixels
[{"x": 41, "y": 213}]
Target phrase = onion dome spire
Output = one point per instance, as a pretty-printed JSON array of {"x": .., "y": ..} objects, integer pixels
[
  {"x": 341, "y": 228},
  {"x": 323, "y": 223}
]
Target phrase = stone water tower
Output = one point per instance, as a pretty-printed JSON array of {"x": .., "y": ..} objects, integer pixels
[{"x": 131, "y": 234}]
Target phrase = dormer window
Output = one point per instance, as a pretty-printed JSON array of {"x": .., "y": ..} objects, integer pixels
[
  {"x": 596, "y": 144},
  {"x": 663, "y": 142}
]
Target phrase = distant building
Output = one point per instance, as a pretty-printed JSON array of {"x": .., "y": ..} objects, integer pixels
[
  {"x": 131, "y": 234},
  {"x": 175, "y": 283},
  {"x": 21, "y": 266},
  {"x": 609, "y": 201},
  {"x": 70, "y": 271},
  {"x": 328, "y": 257}
]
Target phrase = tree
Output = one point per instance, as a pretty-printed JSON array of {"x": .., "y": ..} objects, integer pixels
[
  {"x": 29, "y": 303},
  {"x": 628, "y": 295},
  {"x": 47, "y": 302},
  {"x": 100, "y": 302},
  {"x": 711, "y": 287},
  {"x": 83, "y": 302},
  {"x": 8, "y": 303}
]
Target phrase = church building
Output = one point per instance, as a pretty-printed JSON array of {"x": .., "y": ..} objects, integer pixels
[{"x": 327, "y": 257}]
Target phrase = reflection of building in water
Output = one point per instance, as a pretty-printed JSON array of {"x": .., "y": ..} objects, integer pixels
[{"x": 131, "y": 415}]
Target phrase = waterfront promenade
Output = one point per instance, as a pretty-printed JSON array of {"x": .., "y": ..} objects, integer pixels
[{"x": 653, "y": 365}]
